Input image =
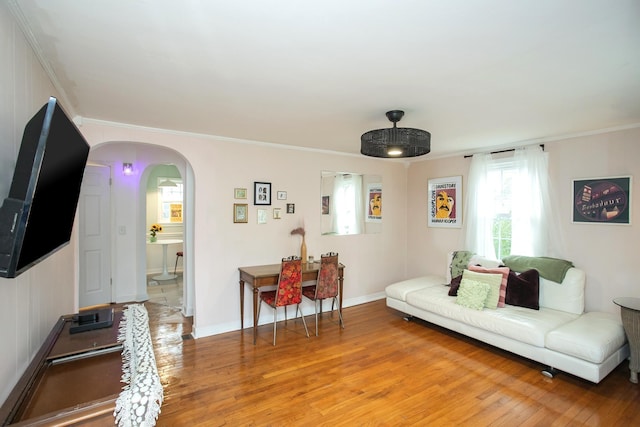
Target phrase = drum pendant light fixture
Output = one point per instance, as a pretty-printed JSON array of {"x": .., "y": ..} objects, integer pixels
[{"x": 395, "y": 141}]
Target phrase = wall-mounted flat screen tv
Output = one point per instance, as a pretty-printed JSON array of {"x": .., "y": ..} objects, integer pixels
[{"x": 36, "y": 218}]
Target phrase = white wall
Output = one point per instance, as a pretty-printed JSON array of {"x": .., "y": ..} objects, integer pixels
[
  {"x": 31, "y": 303},
  {"x": 219, "y": 246},
  {"x": 607, "y": 253}
]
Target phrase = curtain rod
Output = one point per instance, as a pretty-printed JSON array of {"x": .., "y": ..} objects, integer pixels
[{"x": 500, "y": 151}]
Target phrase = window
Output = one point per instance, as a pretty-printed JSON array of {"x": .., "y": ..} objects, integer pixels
[
  {"x": 500, "y": 180},
  {"x": 508, "y": 207},
  {"x": 169, "y": 200}
]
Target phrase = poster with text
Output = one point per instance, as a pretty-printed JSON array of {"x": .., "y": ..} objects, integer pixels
[
  {"x": 602, "y": 200},
  {"x": 374, "y": 205},
  {"x": 444, "y": 202}
]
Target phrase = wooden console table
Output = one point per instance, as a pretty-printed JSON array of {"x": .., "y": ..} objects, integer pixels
[{"x": 267, "y": 275}]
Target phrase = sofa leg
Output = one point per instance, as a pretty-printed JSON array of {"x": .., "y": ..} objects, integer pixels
[
  {"x": 408, "y": 318},
  {"x": 549, "y": 372}
]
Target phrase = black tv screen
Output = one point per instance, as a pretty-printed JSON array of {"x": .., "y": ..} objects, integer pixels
[{"x": 36, "y": 219}]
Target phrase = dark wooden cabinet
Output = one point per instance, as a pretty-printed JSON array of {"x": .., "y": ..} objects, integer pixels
[{"x": 73, "y": 380}]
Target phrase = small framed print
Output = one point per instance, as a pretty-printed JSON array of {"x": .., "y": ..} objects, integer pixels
[
  {"x": 277, "y": 213},
  {"x": 262, "y": 216},
  {"x": 282, "y": 195},
  {"x": 240, "y": 193},
  {"x": 291, "y": 208},
  {"x": 444, "y": 202},
  {"x": 262, "y": 193},
  {"x": 240, "y": 212},
  {"x": 602, "y": 200}
]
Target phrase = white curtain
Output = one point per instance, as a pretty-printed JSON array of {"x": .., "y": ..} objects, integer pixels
[
  {"x": 479, "y": 208},
  {"x": 532, "y": 213}
]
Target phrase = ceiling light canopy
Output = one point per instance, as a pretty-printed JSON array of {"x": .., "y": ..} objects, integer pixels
[
  {"x": 167, "y": 183},
  {"x": 395, "y": 141}
]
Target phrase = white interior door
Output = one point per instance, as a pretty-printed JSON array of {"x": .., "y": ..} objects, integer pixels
[{"x": 94, "y": 237}]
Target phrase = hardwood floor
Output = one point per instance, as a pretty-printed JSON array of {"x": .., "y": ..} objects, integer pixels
[{"x": 379, "y": 371}]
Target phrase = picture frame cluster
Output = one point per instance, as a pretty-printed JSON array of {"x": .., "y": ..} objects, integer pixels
[{"x": 262, "y": 197}]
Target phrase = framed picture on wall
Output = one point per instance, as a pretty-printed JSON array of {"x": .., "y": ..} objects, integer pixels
[
  {"x": 240, "y": 212},
  {"x": 240, "y": 193},
  {"x": 374, "y": 205},
  {"x": 444, "y": 198},
  {"x": 262, "y": 216},
  {"x": 602, "y": 200},
  {"x": 262, "y": 193}
]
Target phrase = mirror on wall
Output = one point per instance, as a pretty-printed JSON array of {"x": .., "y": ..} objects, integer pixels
[{"x": 351, "y": 203}]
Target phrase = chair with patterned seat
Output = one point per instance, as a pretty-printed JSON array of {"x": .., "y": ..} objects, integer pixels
[
  {"x": 326, "y": 286},
  {"x": 288, "y": 291}
]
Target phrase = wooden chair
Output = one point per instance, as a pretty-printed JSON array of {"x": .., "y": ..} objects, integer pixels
[
  {"x": 178, "y": 255},
  {"x": 326, "y": 286},
  {"x": 288, "y": 292}
]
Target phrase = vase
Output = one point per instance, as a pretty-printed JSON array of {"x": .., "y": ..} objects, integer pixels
[
  {"x": 303, "y": 251},
  {"x": 153, "y": 239}
]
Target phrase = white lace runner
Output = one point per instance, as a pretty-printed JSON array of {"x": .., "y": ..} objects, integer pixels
[{"x": 140, "y": 400}]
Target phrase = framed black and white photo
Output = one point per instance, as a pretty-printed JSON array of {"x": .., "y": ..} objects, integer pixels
[
  {"x": 262, "y": 193},
  {"x": 291, "y": 208},
  {"x": 602, "y": 200},
  {"x": 282, "y": 195}
]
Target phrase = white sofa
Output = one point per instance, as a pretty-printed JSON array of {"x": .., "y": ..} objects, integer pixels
[{"x": 559, "y": 335}]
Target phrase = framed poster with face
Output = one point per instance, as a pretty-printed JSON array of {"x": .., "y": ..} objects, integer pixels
[
  {"x": 262, "y": 193},
  {"x": 444, "y": 202},
  {"x": 374, "y": 206}
]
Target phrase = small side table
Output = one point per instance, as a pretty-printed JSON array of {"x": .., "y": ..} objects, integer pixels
[{"x": 630, "y": 313}]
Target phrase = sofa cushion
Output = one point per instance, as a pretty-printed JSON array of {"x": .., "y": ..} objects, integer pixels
[
  {"x": 483, "y": 261},
  {"x": 457, "y": 263},
  {"x": 503, "y": 284},
  {"x": 454, "y": 285},
  {"x": 493, "y": 280},
  {"x": 472, "y": 294},
  {"x": 400, "y": 290},
  {"x": 593, "y": 337},
  {"x": 566, "y": 296},
  {"x": 518, "y": 323},
  {"x": 523, "y": 290}
]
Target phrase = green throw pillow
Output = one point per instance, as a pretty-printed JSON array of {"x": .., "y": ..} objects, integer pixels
[
  {"x": 493, "y": 280},
  {"x": 472, "y": 294}
]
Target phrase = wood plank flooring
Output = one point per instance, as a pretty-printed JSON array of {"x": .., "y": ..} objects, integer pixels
[{"x": 379, "y": 371}]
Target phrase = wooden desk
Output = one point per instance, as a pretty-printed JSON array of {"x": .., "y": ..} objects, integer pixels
[{"x": 267, "y": 275}]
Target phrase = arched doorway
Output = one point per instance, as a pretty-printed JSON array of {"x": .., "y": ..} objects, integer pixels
[{"x": 128, "y": 222}]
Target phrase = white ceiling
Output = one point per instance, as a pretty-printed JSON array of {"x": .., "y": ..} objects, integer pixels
[{"x": 319, "y": 73}]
